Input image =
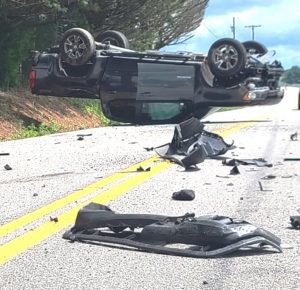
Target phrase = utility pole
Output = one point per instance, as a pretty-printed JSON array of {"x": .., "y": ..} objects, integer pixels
[
  {"x": 233, "y": 27},
  {"x": 252, "y": 27}
]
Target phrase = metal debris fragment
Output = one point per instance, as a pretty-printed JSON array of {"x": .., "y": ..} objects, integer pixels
[
  {"x": 295, "y": 221},
  {"x": 141, "y": 169},
  {"x": 259, "y": 162},
  {"x": 53, "y": 219}
]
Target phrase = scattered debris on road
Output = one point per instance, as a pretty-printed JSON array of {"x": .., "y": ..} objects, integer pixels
[
  {"x": 7, "y": 167},
  {"x": 191, "y": 144},
  {"x": 204, "y": 236},
  {"x": 80, "y": 138},
  {"x": 259, "y": 162},
  {"x": 184, "y": 194},
  {"x": 294, "y": 136},
  {"x": 292, "y": 159},
  {"x": 53, "y": 219},
  {"x": 141, "y": 169},
  {"x": 234, "y": 170},
  {"x": 295, "y": 221}
]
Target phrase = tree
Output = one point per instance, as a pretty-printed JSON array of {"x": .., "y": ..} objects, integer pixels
[
  {"x": 36, "y": 24},
  {"x": 147, "y": 23},
  {"x": 291, "y": 76}
]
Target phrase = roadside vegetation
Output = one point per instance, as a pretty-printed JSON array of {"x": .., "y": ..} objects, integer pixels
[
  {"x": 291, "y": 76},
  {"x": 23, "y": 115}
]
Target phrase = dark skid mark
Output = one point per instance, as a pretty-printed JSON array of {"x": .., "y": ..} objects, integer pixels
[
  {"x": 184, "y": 194},
  {"x": 35, "y": 178}
]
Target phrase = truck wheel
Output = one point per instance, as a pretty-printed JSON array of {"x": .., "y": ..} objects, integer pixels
[
  {"x": 77, "y": 46},
  {"x": 254, "y": 47},
  {"x": 227, "y": 57},
  {"x": 113, "y": 37}
]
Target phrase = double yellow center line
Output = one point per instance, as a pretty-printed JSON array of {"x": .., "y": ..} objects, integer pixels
[{"x": 33, "y": 237}]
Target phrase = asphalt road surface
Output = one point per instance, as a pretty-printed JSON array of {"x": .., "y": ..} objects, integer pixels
[{"x": 53, "y": 176}]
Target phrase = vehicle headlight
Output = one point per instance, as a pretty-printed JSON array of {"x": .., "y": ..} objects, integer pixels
[{"x": 250, "y": 96}]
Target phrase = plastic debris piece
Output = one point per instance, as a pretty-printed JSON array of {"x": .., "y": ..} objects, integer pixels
[
  {"x": 234, "y": 171},
  {"x": 270, "y": 176},
  {"x": 294, "y": 136},
  {"x": 184, "y": 194},
  {"x": 295, "y": 221},
  {"x": 191, "y": 144},
  {"x": 7, "y": 167},
  {"x": 53, "y": 219},
  {"x": 204, "y": 236},
  {"x": 260, "y": 162}
]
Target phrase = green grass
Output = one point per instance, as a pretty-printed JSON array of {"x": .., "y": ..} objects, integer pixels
[
  {"x": 223, "y": 109},
  {"x": 35, "y": 131},
  {"x": 94, "y": 108}
]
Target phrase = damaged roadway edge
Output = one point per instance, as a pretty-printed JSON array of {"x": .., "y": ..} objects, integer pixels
[{"x": 204, "y": 236}]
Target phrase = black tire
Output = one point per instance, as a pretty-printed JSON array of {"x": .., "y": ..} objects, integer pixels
[
  {"x": 227, "y": 57},
  {"x": 77, "y": 46},
  {"x": 113, "y": 37},
  {"x": 254, "y": 47}
]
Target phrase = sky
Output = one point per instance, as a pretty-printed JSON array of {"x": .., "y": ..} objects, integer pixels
[{"x": 279, "y": 29}]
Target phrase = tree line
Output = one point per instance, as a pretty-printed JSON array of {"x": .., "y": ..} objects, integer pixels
[
  {"x": 291, "y": 76},
  {"x": 27, "y": 25}
]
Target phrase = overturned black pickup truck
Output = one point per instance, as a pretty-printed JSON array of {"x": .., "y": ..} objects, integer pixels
[{"x": 156, "y": 87}]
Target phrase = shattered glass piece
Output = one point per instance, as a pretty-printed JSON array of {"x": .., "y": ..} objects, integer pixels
[
  {"x": 184, "y": 194},
  {"x": 204, "y": 236},
  {"x": 295, "y": 221},
  {"x": 191, "y": 144},
  {"x": 259, "y": 162}
]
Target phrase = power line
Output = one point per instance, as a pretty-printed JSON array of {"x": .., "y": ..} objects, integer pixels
[
  {"x": 209, "y": 30},
  {"x": 252, "y": 27},
  {"x": 233, "y": 27}
]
